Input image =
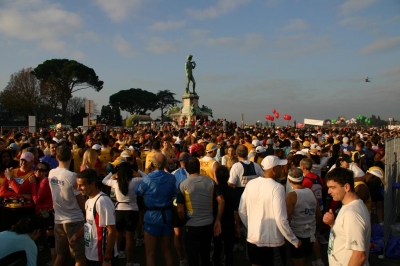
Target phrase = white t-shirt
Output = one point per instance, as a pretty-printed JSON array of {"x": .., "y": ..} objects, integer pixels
[
  {"x": 237, "y": 171},
  {"x": 351, "y": 231},
  {"x": 63, "y": 189},
  {"x": 95, "y": 226},
  {"x": 262, "y": 210},
  {"x": 121, "y": 198}
]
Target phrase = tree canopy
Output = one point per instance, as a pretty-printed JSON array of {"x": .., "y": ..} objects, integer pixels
[
  {"x": 66, "y": 77},
  {"x": 134, "y": 101},
  {"x": 165, "y": 99}
]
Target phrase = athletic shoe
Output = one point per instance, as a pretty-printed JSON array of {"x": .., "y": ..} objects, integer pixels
[
  {"x": 139, "y": 242},
  {"x": 317, "y": 263},
  {"x": 121, "y": 254}
]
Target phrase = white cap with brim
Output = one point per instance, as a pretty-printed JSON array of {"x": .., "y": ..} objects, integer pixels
[
  {"x": 271, "y": 161},
  {"x": 125, "y": 154},
  {"x": 377, "y": 171},
  {"x": 96, "y": 147}
]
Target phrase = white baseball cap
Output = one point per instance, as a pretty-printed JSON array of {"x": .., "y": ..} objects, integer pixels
[
  {"x": 271, "y": 161},
  {"x": 96, "y": 147}
]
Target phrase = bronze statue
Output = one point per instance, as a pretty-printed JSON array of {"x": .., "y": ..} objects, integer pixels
[{"x": 189, "y": 66}]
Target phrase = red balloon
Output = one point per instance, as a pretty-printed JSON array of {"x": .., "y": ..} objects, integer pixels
[
  {"x": 272, "y": 118},
  {"x": 268, "y": 117},
  {"x": 277, "y": 115},
  {"x": 285, "y": 117},
  {"x": 289, "y": 117},
  {"x": 273, "y": 111}
]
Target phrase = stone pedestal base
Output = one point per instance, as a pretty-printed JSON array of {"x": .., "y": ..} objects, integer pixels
[{"x": 190, "y": 109}]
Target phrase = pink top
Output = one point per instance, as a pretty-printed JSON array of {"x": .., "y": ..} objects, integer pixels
[{"x": 41, "y": 195}]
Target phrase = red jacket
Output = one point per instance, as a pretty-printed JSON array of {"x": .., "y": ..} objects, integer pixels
[{"x": 41, "y": 195}]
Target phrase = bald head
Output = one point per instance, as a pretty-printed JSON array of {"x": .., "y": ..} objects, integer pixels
[{"x": 159, "y": 161}]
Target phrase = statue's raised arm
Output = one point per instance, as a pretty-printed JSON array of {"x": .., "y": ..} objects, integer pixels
[{"x": 189, "y": 66}]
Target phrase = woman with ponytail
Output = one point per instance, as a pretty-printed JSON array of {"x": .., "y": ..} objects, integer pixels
[{"x": 126, "y": 208}]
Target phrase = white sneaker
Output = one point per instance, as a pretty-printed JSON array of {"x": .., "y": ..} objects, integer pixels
[{"x": 121, "y": 254}]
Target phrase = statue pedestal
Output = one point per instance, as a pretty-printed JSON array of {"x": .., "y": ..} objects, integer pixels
[{"x": 190, "y": 109}]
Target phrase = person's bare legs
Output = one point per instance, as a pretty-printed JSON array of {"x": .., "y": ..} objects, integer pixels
[
  {"x": 120, "y": 235},
  {"x": 129, "y": 238},
  {"x": 150, "y": 247},
  {"x": 166, "y": 249},
  {"x": 178, "y": 235}
]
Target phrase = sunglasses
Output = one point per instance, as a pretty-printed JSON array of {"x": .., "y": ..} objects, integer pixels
[{"x": 40, "y": 170}]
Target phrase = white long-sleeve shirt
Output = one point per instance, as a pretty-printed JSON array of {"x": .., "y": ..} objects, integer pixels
[{"x": 262, "y": 210}]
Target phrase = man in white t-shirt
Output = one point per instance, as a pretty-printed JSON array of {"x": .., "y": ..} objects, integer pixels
[
  {"x": 351, "y": 231},
  {"x": 262, "y": 210},
  {"x": 100, "y": 231},
  {"x": 69, "y": 205}
]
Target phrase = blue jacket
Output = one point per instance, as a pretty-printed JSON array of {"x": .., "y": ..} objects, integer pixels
[{"x": 159, "y": 189}]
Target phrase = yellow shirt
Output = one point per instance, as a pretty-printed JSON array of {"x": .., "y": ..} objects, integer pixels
[
  {"x": 147, "y": 165},
  {"x": 77, "y": 160},
  {"x": 206, "y": 167},
  {"x": 230, "y": 161},
  {"x": 104, "y": 157}
]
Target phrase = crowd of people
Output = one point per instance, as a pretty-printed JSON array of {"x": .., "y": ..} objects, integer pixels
[{"x": 95, "y": 195}]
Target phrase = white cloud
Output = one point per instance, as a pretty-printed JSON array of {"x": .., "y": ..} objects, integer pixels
[
  {"x": 124, "y": 47},
  {"x": 167, "y": 25},
  {"x": 49, "y": 23},
  {"x": 382, "y": 45},
  {"x": 119, "y": 10},
  {"x": 296, "y": 25},
  {"x": 77, "y": 55},
  {"x": 391, "y": 72},
  {"x": 249, "y": 42},
  {"x": 222, "y": 7},
  {"x": 301, "y": 45},
  {"x": 351, "y": 6},
  {"x": 43, "y": 24},
  {"x": 53, "y": 45},
  {"x": 160, "y": 45}
]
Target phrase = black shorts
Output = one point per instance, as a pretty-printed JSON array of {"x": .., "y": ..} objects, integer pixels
[
  {"x": 375, "y": 192},
  {"x": 49, "y": 221},
  {"x": 176, "y": 221},
  {"x": 304, "y": 250},
  {"x": 140, "y": 203},
  {"x": 126, "y": 220},
  {"x": 266, "y": 255}
]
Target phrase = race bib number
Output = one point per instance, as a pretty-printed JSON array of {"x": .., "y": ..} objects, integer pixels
[
  {"x": 331, "y": 241},
  {"x": 88, "y": 235}
]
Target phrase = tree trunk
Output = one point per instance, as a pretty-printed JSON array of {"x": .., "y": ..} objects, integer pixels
[{"x": 64, "y": 104}]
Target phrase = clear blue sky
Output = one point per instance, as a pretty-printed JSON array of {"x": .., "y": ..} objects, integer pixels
[{"x": 306, "y": 58}]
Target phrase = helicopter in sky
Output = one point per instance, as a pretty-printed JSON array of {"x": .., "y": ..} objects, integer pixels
[{"x": 368, "y": 79}]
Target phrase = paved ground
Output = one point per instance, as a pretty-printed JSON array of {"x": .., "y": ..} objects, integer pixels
[{"x": 240, "y": 258}]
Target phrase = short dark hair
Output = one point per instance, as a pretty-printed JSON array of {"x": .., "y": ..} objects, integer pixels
[
  {"x": 45, "y": 164},
  {"x": 156, "y": 145},
  {"x": 242, "y": 151},
  {"x": 193, "y": 166},
  {"x": 222, "y": 174},
  {"x": 28, "y": 224},
  {"x": 342, "y": 176},
  {"x": 89, "y": 174},
  {"x": 63, "y": 153}
]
